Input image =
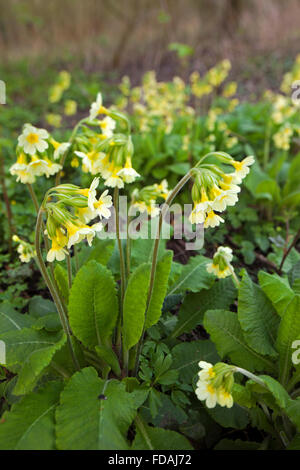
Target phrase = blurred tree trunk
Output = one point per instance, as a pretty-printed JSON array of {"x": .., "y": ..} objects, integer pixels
[{"x": 230, "y": 20}]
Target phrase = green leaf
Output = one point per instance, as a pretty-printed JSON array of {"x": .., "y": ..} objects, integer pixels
[
  {"x": 226, "y": 333},
  {"x": 108, "y": 355},
  {"x": 228, "y": 444},
  {"x": 220, "y": 295},
  {"x": 289, "y": 330},
  {"x": 149, "y": 438},
  {"x": 257, "y": 317},
  {"x": 49, "y": 322},
  {"x": 135, "y": 305},
  {"x": 235, "y": 417},
  {"x": 277, "y": 290},
  {"x": 10, "y": 320},
  {"x": 100, "y": 252},
  {"x": 88, "y": 421},
  {"x": 180, "y": 168},
  {"x": 194, "y": 276},
  {"x": 279, "y": 393},
  {"x": 159, "y": 289},
  {"x": 61, "y": 277},
  {"x": 93, "y": 304},
  {"x": 186, "y": 357},
  {"x": 29, "y": 352},
  {"x": 30, "y": 423},
  {"x": 39, "y": 307}
]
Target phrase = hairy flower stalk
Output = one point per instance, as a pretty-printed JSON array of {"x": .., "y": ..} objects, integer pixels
[{"x": 52, "y": 288}]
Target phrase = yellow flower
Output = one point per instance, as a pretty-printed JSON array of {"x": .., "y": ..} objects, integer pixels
[
  {"x": 221, "y": 266},
  {"x": 79, "y": 231},
  {"x": 33, "y": 140},
  {"x": 128, "y": 174},
  {"x": 212, "y": 220},
  {"x": 58, "y": 251},
  {"x": 70, "y": 107}
]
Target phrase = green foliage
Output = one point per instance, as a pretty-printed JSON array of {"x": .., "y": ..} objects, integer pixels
[
  {"x": 30, "y": 424},
  {"x": 135, "y": 305},
  {"x": 93, "y": 306},
  {"x": 103, "y": 418}
]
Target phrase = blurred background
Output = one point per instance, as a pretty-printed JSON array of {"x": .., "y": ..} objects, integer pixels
[{"x": 117, "y": 37}]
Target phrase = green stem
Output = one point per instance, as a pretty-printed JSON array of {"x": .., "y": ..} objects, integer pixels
[
  {"x": 63, "y": 158},
  {"x": 267, "y": 145},
  {"x": 162, "y": 214},
  {"x": 234, "y": 276},
  {"x": 122, "y": 262},
  {"x": 128, "y": 249},
  {"x": 46, "y": 241},
  {"x": 76, "y": 258},
  {"x": 250, "y": 376},
  {"x": 122, "y": 270},
  {"x": 141, "y": 427},
  {"x": 52, "y": 287},
  {"x": 69, "y": 266}
]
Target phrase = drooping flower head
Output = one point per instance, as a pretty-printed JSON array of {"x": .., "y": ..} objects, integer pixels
[
  {"x": 215, "y": 384},
  {"x": 214, "y": 189},
  {"x": 26, "y": 250},
  {"x": 220, "y": 265}
]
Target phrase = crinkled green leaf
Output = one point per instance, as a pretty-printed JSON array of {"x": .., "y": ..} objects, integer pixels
[
  {"x": 220, "y": 295},
  {"x": 94, "y": 414},
  {"x": 149, "y": 438},
  {"x": 186, "y": 357},
  {"x": 93, "y": 304},
  {"x": 226, "y": 333},
  {"x": 257, "y": 317},
  {"x": 61, "y": 277},
  {"x": 159, "y": 289},
  {"x": 135, "y": 305},
  {"x": 193, "y": 277},
  {"x": 29, "y": 425},
  {"x": 29, "y": 352},
  {"x": 277, "y": 290},
  {"x": 11, "y": 320},
  {"x": 289, "y": 331}
]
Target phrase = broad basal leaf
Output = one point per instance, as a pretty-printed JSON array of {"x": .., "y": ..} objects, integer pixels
[
  {"x": 220, "y": 295},
  {"x": 149, "y": 438},
  {"x": 193, "y": 277},
  {"x": 29, "y": 425},
  {"x": 226, "y": 333},
  {"x": 29, "y": 352},
  {"x": 38, "y": 307},
  {"x": 187, "y": 355},
  {"x": 61, "y": 277},
  {"x": 159, "y": 290},
  {"x": 277, "y": 290},
  {"x": 94, "y": 414},
  {"x": 135, "y": 305},
  {"x": 289, "y": 331},
  {"x": 257, "y": 317},
  {"x": 93, "y": 304},
  {"x": 11, "y": 320}
]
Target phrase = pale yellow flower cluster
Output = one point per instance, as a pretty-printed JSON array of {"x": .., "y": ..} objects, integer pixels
[
  {"x": 65, "y": 229},
  {"x": 145, "y": 200},
  {"x": 282, "y": 138},
  {"x": 26, "y": 250},
  {"x": 156, "y": 102},
  {"x": 211, "y": 80},
  {"x": 34, "y": 156},
  {"x": 107, "y": 153},
  {"x": 215, "y": 384},
  {"x": 221, "y": 264},
  {"x": 214, "y": 190}
]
